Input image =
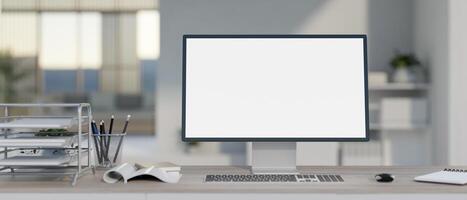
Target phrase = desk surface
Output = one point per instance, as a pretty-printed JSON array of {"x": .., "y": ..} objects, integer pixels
[{"x": 358, "y": 180}]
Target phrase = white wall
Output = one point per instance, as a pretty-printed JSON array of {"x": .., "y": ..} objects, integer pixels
[
  {"x": 440, "y": 41},
  {"x": 457, "y": 81},
  {"x": 389, "y": 29},
  {"x": 431, "y": 46},
  {"x": 180, "y": 17}
]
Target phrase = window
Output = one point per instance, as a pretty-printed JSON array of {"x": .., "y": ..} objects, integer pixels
[{"x": 106, "y": 58}]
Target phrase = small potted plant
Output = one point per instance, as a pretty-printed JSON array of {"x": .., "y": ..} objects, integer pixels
[{"x": 404, "y": 66}]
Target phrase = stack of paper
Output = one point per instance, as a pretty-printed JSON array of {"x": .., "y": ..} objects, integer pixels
[
  {"x": 377, "y": 78},
  {"x": 34, "y": 122},
  {"x": 32, "y": 141},
  {"x": 36, "y": 161}
]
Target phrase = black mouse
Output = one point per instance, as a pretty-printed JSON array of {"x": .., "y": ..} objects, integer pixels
[{"x": 384, "y": 177}]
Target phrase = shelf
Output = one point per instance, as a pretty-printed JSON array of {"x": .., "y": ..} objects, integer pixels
[
  {"x": 40, "y": 141},
  {"x": 36, "y": 161},
  {"x": 379, "y": 127},
  {"x": 399, "y": 86},
  {"x": 44, "y": 105},
  {"x": 39, "y": 122}
]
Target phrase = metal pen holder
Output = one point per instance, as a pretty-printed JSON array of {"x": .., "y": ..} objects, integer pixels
[{"x": 108, "y": 149}]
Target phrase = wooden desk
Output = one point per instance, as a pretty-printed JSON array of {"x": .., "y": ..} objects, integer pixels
[{"x": 359, "y": 184}]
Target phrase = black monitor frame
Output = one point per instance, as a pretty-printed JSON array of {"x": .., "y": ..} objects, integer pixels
[{"x": 357, "y": 36}]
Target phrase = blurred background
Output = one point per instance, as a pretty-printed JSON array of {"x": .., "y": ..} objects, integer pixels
[{"x": 124, "y": 57}]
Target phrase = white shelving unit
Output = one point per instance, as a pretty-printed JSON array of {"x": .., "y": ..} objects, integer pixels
[
  {"x": 27, "y": 150},
  {"x": 389, "y": 140},
  {"x": 398, "y": 86},
  {"x": 380, "y": 127}
]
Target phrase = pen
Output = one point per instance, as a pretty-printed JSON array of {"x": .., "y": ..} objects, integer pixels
[
  {"x": 111, "y": 124},
  {"x": 121, "y": 137},
  {"x": 108, "y": 136},
  {"x": 102, "y": 141},
  {"x": 102, "y": 130},
  {"x": 126, "y": 123},
  {"x": 104, "y": 137},
  {"x": 94, "y": 132}
]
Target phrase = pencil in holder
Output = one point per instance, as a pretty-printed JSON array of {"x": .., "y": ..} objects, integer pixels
[{"x": 108, "y": 149}]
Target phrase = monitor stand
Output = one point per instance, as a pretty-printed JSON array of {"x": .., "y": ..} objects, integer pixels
[{"x": 274, "y": 158}]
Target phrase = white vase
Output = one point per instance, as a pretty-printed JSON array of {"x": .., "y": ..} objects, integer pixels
[{"x": 403, "y": 75}]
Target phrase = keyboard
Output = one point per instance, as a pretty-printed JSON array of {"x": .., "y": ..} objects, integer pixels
[{"x": 273, "y": 178}]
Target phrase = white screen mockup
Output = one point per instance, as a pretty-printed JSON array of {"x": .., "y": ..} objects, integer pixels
[{"x": 275, "y": 88}]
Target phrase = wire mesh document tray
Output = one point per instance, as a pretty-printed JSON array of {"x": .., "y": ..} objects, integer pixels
[{"x": 46, "y": 144}]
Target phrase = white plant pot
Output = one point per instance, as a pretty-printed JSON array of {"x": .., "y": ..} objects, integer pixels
[{"x": 403, "y": 75}]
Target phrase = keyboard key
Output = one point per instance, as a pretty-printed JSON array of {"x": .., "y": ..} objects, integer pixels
[
  {"x": 320, "y": 178},
  {"x": 326, "y": 177},
  {"x": 333, "y": 178},
  {"x": 339, "y": 177}
]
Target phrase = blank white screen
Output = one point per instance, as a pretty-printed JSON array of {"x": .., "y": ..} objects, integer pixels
[{"x": 275, "y": 88}]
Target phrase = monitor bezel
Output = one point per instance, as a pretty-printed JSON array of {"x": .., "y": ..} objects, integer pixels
[{"x": 274, "y": 139}]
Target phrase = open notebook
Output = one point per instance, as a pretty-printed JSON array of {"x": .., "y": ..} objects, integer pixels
[
  {"x": 449, "y": 176},
  {"x": 166, "y": 172}
]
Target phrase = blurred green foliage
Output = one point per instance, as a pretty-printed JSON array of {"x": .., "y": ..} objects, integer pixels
[{"x": 9, "y": 77}]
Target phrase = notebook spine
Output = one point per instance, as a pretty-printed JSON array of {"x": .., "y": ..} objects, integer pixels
[{"x": 454, "y": 170}]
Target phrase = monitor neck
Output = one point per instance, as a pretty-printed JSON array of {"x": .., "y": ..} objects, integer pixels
[{"x": 274, "y": 158}]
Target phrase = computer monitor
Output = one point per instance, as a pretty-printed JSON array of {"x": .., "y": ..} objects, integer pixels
[{"x": 275, "y": 90}]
